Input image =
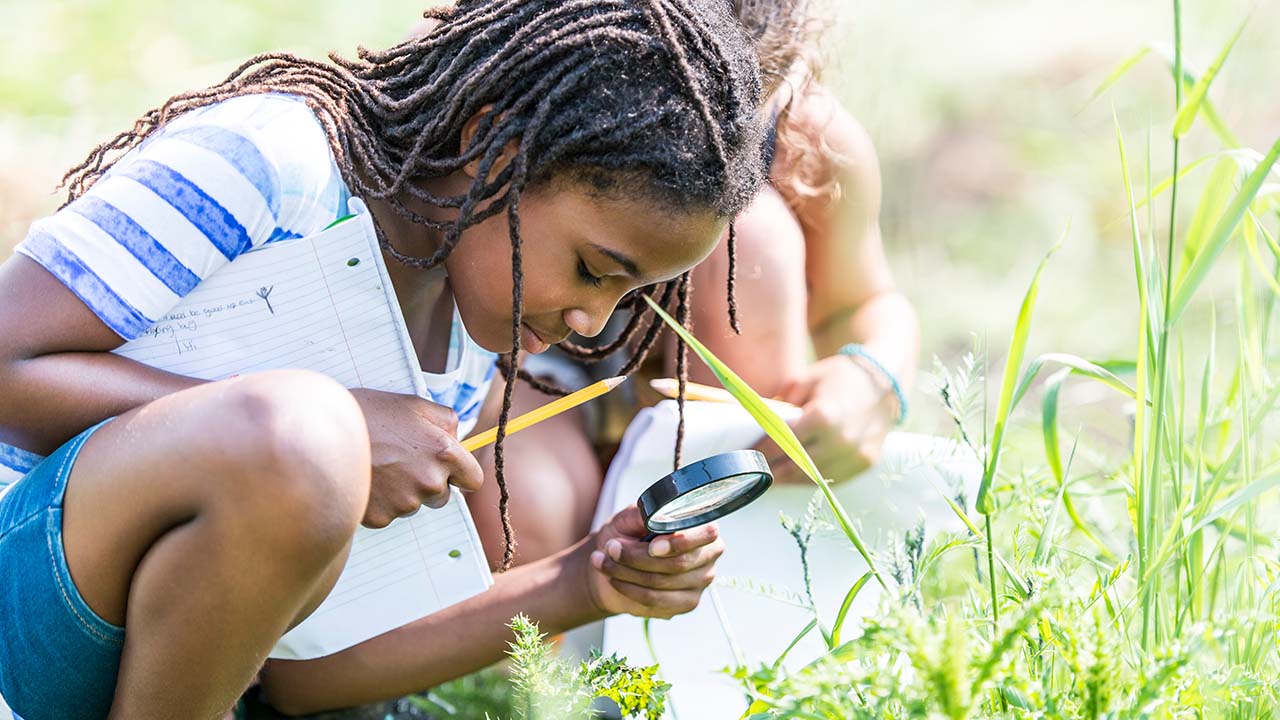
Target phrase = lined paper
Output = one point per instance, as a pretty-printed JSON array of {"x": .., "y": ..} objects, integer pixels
[{"x": 325, "y": 303}]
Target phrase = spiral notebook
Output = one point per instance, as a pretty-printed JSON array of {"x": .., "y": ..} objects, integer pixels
[{"x": 325, "y": 303}]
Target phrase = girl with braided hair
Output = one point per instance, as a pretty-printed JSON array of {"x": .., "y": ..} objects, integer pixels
[
  {"x": 811, "y": 272},
  {"x": 151, "y": 561}
]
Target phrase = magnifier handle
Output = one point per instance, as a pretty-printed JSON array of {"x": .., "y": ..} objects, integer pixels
[{"x": 650, "y": 536}]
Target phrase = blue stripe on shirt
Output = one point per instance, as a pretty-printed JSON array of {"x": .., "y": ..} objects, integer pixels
[
  {"x": 126, "y": 320},
  {"x": 241, "y": 153},
  {"x": 281, "y": 234},
  {"x": 167, "y": 268},
  {"x": 217, "y": 224}
]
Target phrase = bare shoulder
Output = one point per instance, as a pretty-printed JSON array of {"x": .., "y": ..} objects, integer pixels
[{"x": 817, "y": 112}]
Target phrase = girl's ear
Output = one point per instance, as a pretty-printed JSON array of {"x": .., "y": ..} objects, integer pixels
[{"x": 469, "y": 131}]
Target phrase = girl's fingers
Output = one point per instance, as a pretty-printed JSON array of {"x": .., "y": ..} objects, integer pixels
[
  {"x": 657, "y": 603},
  {"x": 683, "y": 552},
  {"x": 638, "y": 560},
  {"x": 697, "y": 579}
]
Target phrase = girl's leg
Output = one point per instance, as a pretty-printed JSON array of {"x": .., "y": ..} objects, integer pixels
[
  {"x": 208, "y": 523},
  {"x": 554, "y": 481}
]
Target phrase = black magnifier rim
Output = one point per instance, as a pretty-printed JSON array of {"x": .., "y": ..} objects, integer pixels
[{"x": 698, "y": 474}]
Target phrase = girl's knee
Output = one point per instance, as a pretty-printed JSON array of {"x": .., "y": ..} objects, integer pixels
[{"x": 294, "y": 453}]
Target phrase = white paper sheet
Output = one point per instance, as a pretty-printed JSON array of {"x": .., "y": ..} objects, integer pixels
[{"x": 325, "y": 303}]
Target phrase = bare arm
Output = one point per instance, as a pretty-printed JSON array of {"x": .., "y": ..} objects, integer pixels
[
  {"x": 453, "y": 642},
  {"x": 56, "y": 368},
  {"x": 852, "y": 296},
  {"x": 611, "y": 571}
]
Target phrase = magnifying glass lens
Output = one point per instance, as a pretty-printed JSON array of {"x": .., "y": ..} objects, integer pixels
[
  {"x": 703, "y": 499},
  {"x": 704, "y": 490}
]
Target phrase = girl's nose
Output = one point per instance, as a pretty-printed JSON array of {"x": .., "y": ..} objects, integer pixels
[{"x": 586, "y": 324}]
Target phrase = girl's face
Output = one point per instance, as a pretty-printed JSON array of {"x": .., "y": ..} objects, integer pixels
[{"x": 580, "y": 254}]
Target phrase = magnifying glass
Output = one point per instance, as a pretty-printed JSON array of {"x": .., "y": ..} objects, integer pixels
[{"x": 703, "y": 491}]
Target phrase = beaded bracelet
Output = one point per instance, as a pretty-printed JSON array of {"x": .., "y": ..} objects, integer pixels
[{"x": 853, "y": 350}]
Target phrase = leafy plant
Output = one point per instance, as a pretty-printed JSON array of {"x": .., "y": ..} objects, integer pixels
[{"x": 548, "y": 688}]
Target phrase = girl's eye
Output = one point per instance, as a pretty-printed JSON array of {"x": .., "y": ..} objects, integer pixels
[{"x": 587, "y": 277}]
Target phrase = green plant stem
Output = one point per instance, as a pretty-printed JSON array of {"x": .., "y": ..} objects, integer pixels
[
  {"x": 1149, "y": 505},
  {"x": 991, "y": 575}
]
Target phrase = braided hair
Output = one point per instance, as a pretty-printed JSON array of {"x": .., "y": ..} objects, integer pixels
[{"x": 649, "y": 98}]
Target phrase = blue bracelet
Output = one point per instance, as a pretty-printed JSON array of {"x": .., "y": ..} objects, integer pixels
[{"x": 855, "y": 350}]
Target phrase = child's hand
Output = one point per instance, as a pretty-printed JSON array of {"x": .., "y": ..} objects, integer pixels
[
  {"x": 660, "y": 579},
  {"x": 847, "y": 414},
  {"x": 416, "y": 455}
]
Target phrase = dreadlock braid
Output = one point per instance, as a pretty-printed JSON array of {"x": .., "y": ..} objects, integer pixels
[
  {"x": 676, "y": 123},
  {"x": 682, "y": 364}
]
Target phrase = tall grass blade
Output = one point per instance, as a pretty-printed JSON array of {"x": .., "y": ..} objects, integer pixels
[
  {"x": 1049, "y": 428},
  {"x": 1207, "y": 109},
  {"x": 846, "y": 604},
  {"x": 1187, "y": 113},
  {"x": 1075, "y": 364},
  {"x": 1013, "y": 364},
  {"x": 776, "y": 428},
  {"x": 1118, "y": 72},
  {"x": 1213, "y": 203},
  {"x": 1222, "y": 232},
  {"x": 1237, "y": 500}
]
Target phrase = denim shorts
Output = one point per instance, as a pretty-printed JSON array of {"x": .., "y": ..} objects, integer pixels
[{"x": 58, "y": 659}]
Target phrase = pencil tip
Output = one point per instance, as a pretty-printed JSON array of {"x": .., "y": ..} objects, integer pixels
[{"x": 614, "y": 382}]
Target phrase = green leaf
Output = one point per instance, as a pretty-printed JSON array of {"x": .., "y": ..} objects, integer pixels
[
  {"x": 1207, "y": 109},
  {"x": 1222, "y": 232},
  {"x": 848, "y": 603},
  {"x": 799, "y": 636},
  {"x": 1049, "y": 423},
  {"x": 1075, "y": 364},
  {"x": 775, "y": 427},
  {"x": 1237, "y": 499},
  {"x": 1117, "y": 73},
  {"x": 1187, "y": 113},
  {"x": 1017, "y": 349},
  {"x": 1213, "y": 203}
]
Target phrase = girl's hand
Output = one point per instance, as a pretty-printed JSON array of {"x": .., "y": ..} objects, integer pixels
[
  {"x": 661, "y": 579},
  {"x": 848, "y": 410},
  {"x": 416, "y": 455}
]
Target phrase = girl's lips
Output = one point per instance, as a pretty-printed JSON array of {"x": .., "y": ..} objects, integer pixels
[{"x": 531, "y": 341}]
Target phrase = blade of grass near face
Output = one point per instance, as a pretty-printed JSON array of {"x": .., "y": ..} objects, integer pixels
[
  {"x": 775, "y": 427},
  {"x": 1017, "y": 349}
]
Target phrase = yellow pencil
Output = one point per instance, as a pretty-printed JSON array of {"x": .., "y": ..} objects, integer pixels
[
  {"x": 555, "y": 407},
  {"x": 670, "y": 387}
]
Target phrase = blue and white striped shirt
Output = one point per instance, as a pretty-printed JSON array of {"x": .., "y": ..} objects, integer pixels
[{"x": 202, "y": 190}]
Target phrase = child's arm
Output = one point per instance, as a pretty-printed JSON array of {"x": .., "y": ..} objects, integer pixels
[
  {"x": 56, "y": 368},
  {"x": 849, "y": 402},
  {"x": 59, "y": 377},
  {"x": 811, "y": 268},
  {"x": 581, "y": 584}
]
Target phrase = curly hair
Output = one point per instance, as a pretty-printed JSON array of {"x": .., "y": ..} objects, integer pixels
[
  {"x": 676, "y": 122},
  {"x": 787, "y": 36}
]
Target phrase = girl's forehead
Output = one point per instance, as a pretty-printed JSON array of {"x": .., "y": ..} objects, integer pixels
[{"x": 645, "y": 239}]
